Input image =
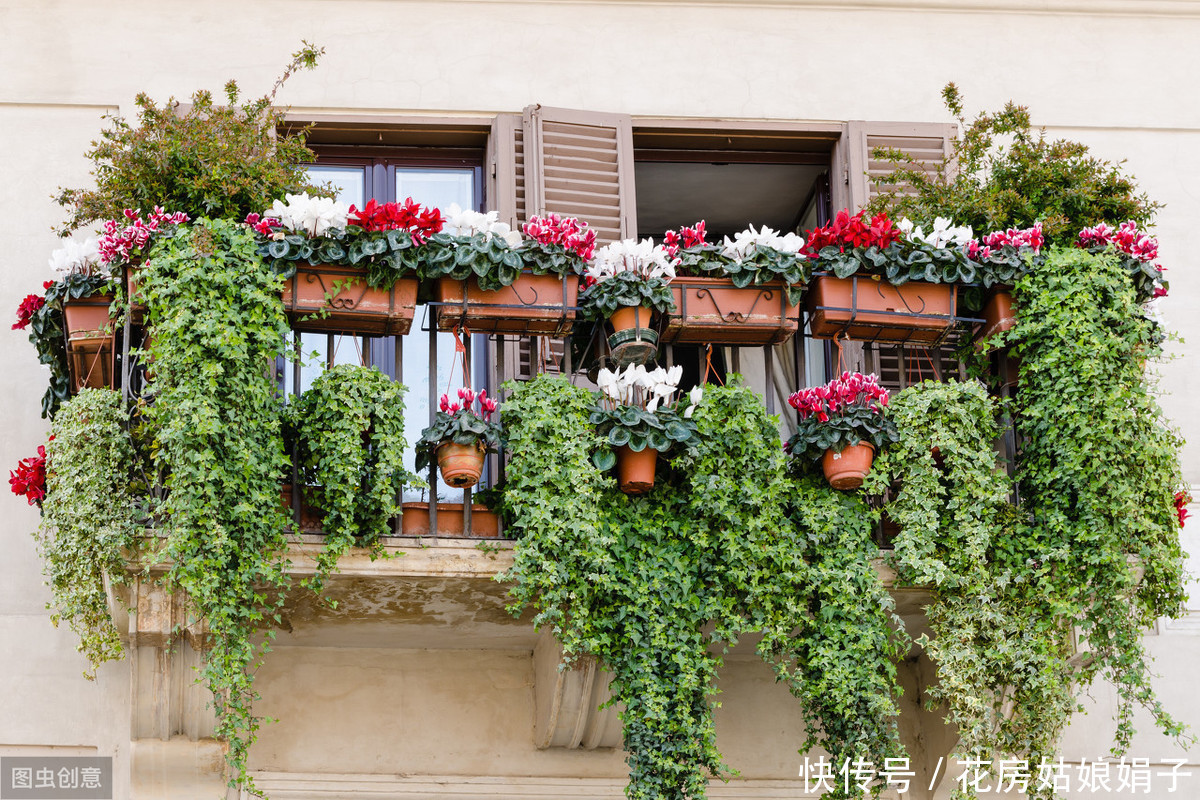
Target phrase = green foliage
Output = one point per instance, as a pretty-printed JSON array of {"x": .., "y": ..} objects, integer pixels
[
  {"x": 625, "y": 289},
  {"x": 213, "y": 160},
  {"x": 1098, "y": 471},
  {"x": 1001, "y": 677},
  {"x": 47, "y": 332},
  {"x": 387, "y": 255},
  {"x": 350, "y": 430},
  {"x": 462, "y": 427},
  {"x": 726, "y": 541},
  {"x": 543, "y": 259},
  {"x": 488, "y": 259},
  {"x": 899, "y": 263},
  {"x": 88, "y": 520},
  {"x": 664, "y": 429},
  {"x": 763, "y": 265},
  {"x": 218, "y": 323},
  {"x": 1001, "y": 173}
]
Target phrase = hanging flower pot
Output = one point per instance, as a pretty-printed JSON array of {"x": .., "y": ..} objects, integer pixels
[
  {"x": 847, "y": 469},
  {"x": 635, "y": 470},
  {"x": 461, "y": 464},
  {"x": 633, "y": 341},
  {"x": 999, "y": 312}
]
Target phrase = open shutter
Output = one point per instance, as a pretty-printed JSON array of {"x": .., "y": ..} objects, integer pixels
[
  {"x": 580, "y": 163},
  {"x": 927, "y": 142},
  {"x": 505, "y": 179}
]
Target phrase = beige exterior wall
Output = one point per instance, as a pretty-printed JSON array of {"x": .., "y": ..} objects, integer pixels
[{"x": 412, "y": 698}]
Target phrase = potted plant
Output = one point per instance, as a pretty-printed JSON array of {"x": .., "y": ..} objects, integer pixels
[
  {"x": 487, "y": 279},
  {"x": 71, "y": 321},
  {"x": 742, "y": 292},
  {"x": 638, "y": 417},
  {"x": 347, "y": 269},
  {"x": 842, "y": 424},
  {"x": 1003, "y": 256},
  {"x": 460, "y": 437},
  {"x": 885, "y": 282},
  {"x": 350, "y": 433},
  {"x": 628, "y": 283},
  {"x": 124, "y": 243}
]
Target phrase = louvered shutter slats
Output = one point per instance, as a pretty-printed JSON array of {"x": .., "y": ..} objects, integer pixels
[{"x": 927, "y": 144}]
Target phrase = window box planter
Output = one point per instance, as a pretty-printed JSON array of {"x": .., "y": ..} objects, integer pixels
[
  {"x": 485, "y": 524},
  {"x": 714, "y": 311},
  {"x": 871, "y": 309},
  {"x": 90, "y": 342},
  {"x": 338, "y": 298},
  {"x": 310, "y": 517},
  {"x": 541, "y": 304}
]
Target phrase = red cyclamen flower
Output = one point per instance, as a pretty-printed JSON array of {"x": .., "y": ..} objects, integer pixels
[
  {"x": 1182, "y": 498},
  {"x": 29, "y": 478},
  {"x": 29, "y": 306}
]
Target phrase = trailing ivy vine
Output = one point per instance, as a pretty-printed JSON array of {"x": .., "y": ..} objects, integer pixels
[
  {"x": 88, "y": 517},
  {"x": 1098, "y": 470},
  {"x": 218, "y": 324},
  {"x": 725, "y": 540},
  {"x": 350, "y": 428}
]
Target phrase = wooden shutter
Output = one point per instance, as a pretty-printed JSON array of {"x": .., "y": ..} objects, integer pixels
[
  {"x": 505, "y": 179},
  {"x": 580, "y": 163},
  {"x": 928, "y": 143}
]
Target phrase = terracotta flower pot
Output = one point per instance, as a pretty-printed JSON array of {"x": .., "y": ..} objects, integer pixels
[
  {"x": 633, "y": 341},
  {"x": 714, "y": 311},
  {"x": 846, "y": 470},
  {"x": 543, "y": 304},
  {"x": 90, "y": 342},
  {"x": 326, "y": 297},
  {"x": 484, "y": 523},
  {"x": 999, "y": 313},
  {"x": 628, "y": 317},
  {"x": 87, "y": 317},
  {"x": 461, "y": 464},
  {"x": 635, "y": 470},
  {"x": 863, "y": 307}
]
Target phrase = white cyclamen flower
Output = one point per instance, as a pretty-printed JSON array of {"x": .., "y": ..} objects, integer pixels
[
  {"x": 314, "y": 216},
  {"x": 464, "y": 222},
  {"x": 77, "y": 257},
  {"x": 744, "y": 242},
  {"x": 643, "y": 258},
  {"x": 944, "y": 234}
]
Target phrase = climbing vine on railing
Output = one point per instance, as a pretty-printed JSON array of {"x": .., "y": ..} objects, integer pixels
[
  {"x": 728, "y": 540},
  {"x": 218, "y": 324},
  {"x": 88, "y": 517}
]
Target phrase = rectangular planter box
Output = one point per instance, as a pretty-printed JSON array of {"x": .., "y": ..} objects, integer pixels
[
  {"x": 867, "y": 309},
  {"x": 90, "y": 342},
  {"x": 484, "y": 523},
  {"x": 543, "y": 304},
  {"x": 714, "y": 311},
  {"x": 336, "y": 298}
]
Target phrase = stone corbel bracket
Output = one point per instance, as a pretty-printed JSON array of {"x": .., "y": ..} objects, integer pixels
[{"x": 567, "y": 702}]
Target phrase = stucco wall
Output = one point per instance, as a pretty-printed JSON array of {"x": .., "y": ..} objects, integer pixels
[{"x": 1120, "y": 82}]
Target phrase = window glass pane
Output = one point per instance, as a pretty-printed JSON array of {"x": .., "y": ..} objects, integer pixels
[
  {"x": 350, "y": 182},
  {"x": 437, "y": 186}
]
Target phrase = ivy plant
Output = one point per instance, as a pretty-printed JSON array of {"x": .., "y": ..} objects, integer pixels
[
  {"x": 88, "y": 517},
  {"x": 218, "y": 323},
  {"x": 723, "y": 546},
  {"x": 350, "y": 431}
]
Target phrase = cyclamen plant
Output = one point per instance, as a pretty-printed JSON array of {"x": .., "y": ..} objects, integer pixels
[
  {"x": 897, "y": 253},
  {"x": 28, "y": 480},
  {"x": 124, "y": 241},
  {"x": 848, "y": 410},
  {"x": 628, "y": 273},
  {"x": 1138, "y": 252},
  {"x": 557, "y": 244},
  {"x": 1002, "y": 255},
  {"x": 637, "y": 409},
  {"x": 473, "y": 244},
  {"x": 469, "y": 421}
]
